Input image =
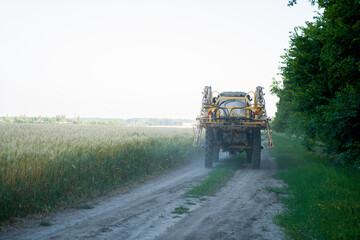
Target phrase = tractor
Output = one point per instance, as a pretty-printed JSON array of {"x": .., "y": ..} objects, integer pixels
[{"x": 233, "y": 122}]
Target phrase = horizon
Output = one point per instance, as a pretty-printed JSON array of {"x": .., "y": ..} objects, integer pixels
[{"x": 100, "y": 118}]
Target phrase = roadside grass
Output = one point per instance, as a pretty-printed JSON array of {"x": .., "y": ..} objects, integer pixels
[
  {"x": 44, "y": 167},
  {"x": 323, "y": 200},
  {"x": 217, "y": 178},
  {"x": 190, "y": 203},
  {"x": 181, "y": 210},
  {"x": 85, "y": 206},
  {"x": 45, "y": 223}
]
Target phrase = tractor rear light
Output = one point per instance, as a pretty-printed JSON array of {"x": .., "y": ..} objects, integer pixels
[
  {"x": 210, "y": 113},
  {"x": 256, "y": 113}
]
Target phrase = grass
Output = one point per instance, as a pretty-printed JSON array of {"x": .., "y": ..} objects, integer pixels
[
  {"x": 45, "y": 223},
  {"x": 190, "y": 203},
  {"x": 181, "y": 210},
  {"x": 217, "y": 178},
  {"x": 323, "y": 200},
  {"x": 85, "y": 206},
  {"x": 43, "y": 167}
]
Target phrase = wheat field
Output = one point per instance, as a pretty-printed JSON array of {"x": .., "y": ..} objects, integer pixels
[{"x": 46, "y": 166}]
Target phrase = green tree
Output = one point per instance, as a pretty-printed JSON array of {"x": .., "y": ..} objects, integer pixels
[{"x": 321, "y": 76}]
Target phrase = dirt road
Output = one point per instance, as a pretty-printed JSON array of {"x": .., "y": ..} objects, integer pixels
[{"x": 242, "y": 209}]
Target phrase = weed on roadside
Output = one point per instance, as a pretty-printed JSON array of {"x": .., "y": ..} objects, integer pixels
[
  {"x": 277, "y": 190},
  {"x": 45, "y": 223},
  {"x": 190, "y": 203},
  {"x": 181, "y": 210},
  {"x": 264, "y": 228},
  {"x": 85, "y": 206}
]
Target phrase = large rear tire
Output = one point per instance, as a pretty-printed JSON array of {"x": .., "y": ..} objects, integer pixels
[
  {"x": 209, "y": 147},
  {"x": 256, "y": 149},
  {"x": 249, "y": 150},
  {"x": 249, "y": 155},
  {"x": 216, "y": 151}
]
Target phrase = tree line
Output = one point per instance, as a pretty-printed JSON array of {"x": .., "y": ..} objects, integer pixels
[
  {"x": 320, "y": 87},
  {"x": 62, "y": 119}
]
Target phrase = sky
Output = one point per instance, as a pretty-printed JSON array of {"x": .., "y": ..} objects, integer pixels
[{"x": 138, "y": 58}]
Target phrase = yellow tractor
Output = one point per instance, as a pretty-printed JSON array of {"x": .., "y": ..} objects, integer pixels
[{"x": 233, "y": 122}]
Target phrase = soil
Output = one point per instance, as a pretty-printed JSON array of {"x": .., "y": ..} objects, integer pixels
[{"x": 243, "y": 209}]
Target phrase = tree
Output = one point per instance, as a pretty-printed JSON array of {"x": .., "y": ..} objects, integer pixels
[{"x": 321, "y": 76}]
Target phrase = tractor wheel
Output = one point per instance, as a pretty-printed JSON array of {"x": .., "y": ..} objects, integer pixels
[
  {"x": 256, "y": 149},
  {"x": 209, "y": 146},
  {"x": 216, "y": 151},
  {"x": 249, "y": 155},
  {"x": 249, "y": 150}
]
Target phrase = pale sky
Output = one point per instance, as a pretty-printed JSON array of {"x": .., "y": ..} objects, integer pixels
[{"x": 137, "y": 58}]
